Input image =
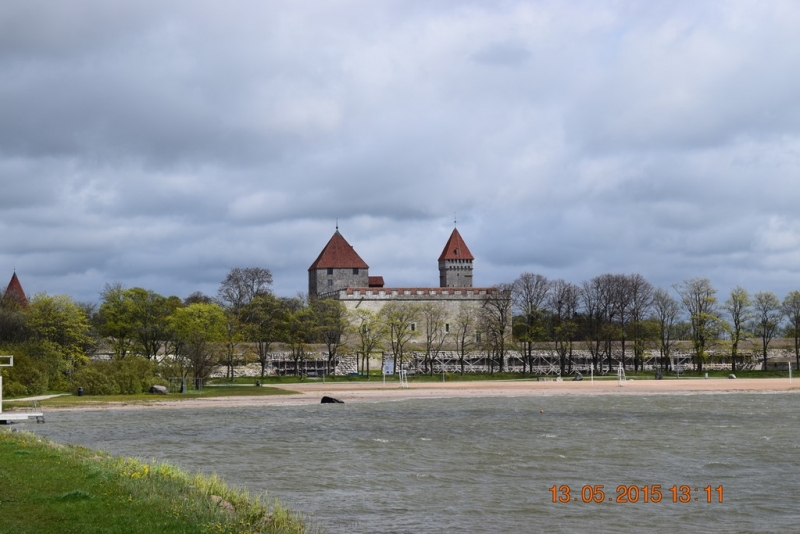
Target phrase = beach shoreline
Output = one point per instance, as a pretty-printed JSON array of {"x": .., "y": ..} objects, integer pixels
[{"x": 355, "y": 392}]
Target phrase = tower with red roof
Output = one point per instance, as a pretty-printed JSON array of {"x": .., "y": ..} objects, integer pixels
[
  {"x": 337, "y": 267},
  {"x": 14, "y": 291},
  {"x": 455, "y": 263}
]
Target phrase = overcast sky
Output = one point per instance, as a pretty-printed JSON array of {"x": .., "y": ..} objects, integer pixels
[{"x": 159, "y": 144}]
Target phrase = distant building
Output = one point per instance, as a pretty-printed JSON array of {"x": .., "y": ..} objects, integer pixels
[
  {"x": 14, "y": 291},
  {"x": 455, "y": 263},
  {"x": 340, "y": 273}
]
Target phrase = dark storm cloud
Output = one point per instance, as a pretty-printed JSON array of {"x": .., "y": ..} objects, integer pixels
[{"x": 162, "y": 144}]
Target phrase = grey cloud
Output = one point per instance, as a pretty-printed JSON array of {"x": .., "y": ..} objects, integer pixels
[
  {"x": 161, "y": 145},
  {"x": 503, "y": 54}
]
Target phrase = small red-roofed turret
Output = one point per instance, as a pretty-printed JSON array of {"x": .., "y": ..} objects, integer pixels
[{"x": 14, "y": 291}]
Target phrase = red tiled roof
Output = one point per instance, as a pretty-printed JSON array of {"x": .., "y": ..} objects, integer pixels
[
  {"x": 15, "y": 290},
  {"x": 338, "y": 254},
  {"x": 456, "y": 249},
  {"x": 375, "y": 281}
]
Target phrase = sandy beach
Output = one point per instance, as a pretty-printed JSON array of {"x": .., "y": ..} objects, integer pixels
[{"x": 349, "y": 392}]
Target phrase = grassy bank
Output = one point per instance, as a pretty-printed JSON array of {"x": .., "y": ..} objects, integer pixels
[{"x": 46, "y": 487}]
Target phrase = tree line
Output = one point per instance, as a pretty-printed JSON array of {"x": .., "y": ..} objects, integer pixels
[
  {"x": 626, "y": 311},
  {"x": 151, "y": 337}
]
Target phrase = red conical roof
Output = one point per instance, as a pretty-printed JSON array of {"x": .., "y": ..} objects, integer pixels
[
  {"x": 14, "y": 290},
  {"x": 338, "y": 254},
  {"x": 456, "y": 249}
]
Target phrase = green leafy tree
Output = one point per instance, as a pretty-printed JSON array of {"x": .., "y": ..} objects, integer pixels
[
  {"x": 699, "y": 299},
  {"x": 149, "y": 314},
  {"x": 114, "y": 319},
  {"x": 57, "y": 321},
  {"x": 197, "y": 329},
  {"x": 738, "y": 309},
  {"x": 135, "y": 320},
  {"x": 265, "y": 320}
]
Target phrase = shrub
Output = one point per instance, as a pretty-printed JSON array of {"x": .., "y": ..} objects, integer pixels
[
  {"x": 94, "y": 381},
  {"x": 130, "y": 376}
]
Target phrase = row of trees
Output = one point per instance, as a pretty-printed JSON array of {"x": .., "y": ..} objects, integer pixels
[
  {"x": 52, "y": 335},
  {"x": 627, "y": 311}
]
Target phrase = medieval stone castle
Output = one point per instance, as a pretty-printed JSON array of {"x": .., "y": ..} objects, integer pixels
[{"x": 340, "y": 273}]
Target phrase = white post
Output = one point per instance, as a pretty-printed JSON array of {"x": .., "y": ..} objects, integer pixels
[
  {"x": 790, "y": 373},
  {"x": 9, "y": 364}
]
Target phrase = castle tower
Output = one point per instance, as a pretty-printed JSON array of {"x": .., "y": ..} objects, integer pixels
[
  {"x": 15, "y": 291},
  {"x": 338, "y": 266},
  {"x": 455, "y": 263}
]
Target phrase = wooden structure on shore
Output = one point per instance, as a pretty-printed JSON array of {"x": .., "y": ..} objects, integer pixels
[{"x": 34, "y": 412}]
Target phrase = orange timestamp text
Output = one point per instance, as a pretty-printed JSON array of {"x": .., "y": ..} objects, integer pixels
[{"x": 648, "y": 493}]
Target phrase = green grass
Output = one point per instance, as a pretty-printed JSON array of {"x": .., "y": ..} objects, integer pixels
[
  {"x": 45, "y": 487},
  {"x": 144, "y": 398}
]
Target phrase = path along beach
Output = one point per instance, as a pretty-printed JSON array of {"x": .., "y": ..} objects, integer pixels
[{"x": 349, "y": 392}]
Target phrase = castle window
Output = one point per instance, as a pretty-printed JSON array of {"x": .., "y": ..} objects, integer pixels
[
  {"x": 447, "y": 328},
  {"x": 330, "y": 270},
  {"x": 330, "y": 282},
  {"x": 355, "y": 270},
  {"x": 413, "y": 326},
  {"x": 478, "y": 337}
]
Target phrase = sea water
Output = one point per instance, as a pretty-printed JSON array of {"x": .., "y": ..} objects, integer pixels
[{"x": 489, "y": 464}]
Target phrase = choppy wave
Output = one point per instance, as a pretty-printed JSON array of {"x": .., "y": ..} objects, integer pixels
[{"x": 485, "y": 465}]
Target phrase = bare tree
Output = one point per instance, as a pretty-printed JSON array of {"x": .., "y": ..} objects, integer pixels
[
  {"x": 640, "y": 298},
  {"x": 699, "y": 299},
  {"x": 602, "y": 304},
  {"x": 665, "y": 311},
  {"x": 242, "y": 284},
  {"x": 738, "y": 309},
  {"x": 791, "y": 309},
  {"x": 198, "y": 297},
  {"x": 496, "y": 321},
  {"x": 299, "y": 329},
  {"x": 370, "y": 331},
  {"x": 464, "y": 333},
  {"x": 768, "y": 317},
  {"x": 331, "y": 316},
  {"x": 433, "y": 316},
  {"x": 562, "y": 303},
  {"x": 400, "y": 319},
  {"x": 529, "y": 293},
  {"x": 590, "y": 296},
  {"x": 236, "y": 292}
]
